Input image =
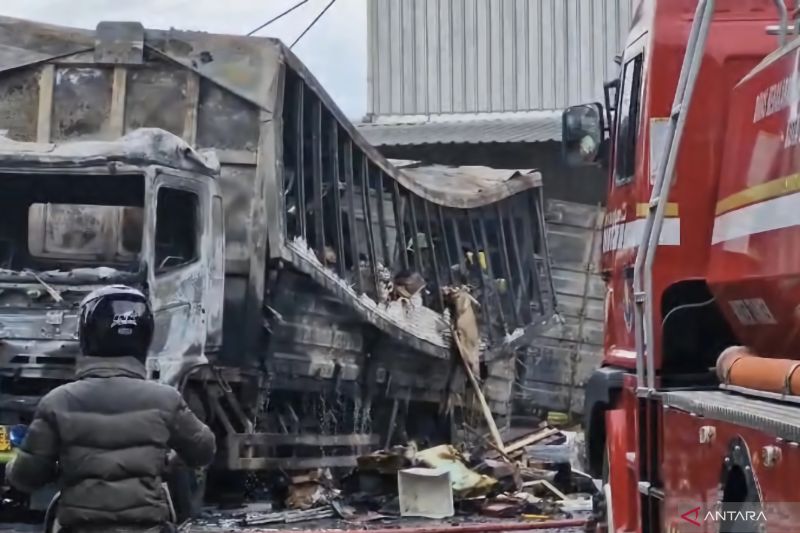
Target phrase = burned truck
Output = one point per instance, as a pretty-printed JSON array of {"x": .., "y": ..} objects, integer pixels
[{"x": 305, "y": 290}]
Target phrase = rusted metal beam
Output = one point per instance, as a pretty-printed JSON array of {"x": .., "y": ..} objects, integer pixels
[
  {"x": 432, "y": 247},
  {"x": 524, "y": 290},
  {"x": 529, "y": 260},
  {"x": 119, "y": 86},
  {"x": 506, "y": 262},
  {"x": 192, "y": 101},
  {"x": 382, "y": 219},
  {"x": 300, "y": 182},
  {"x": 490, "y": 269},
  {"x": 399, "y": 210},
  {"x": 373, "y": 258},
  {"x": 316, "y": 150},
  {"x": 539, "y": 205},
  {"x": 446, "y": 242},
  {"x": 486, "y": 312},
  {"x": 349, "y": 189},
  {"x": 462, "y": 260},
  {"x": 415, "y": 227},
  {"x": 336, "y": 192}
]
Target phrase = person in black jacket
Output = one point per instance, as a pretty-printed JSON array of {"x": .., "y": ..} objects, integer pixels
[{"x": 105, "y": 438}]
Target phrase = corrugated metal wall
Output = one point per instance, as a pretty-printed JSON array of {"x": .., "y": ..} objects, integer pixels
[{"x": 471, "y": 56}]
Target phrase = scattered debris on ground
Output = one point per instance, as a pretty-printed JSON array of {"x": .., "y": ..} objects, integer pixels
[{"x": 531, "y": 478}]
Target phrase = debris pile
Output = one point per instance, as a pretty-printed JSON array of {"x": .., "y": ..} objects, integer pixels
[{"x": 531, "y": 478}]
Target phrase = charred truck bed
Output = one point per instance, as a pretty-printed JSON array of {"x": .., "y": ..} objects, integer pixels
[{"x": 304, "y": 288}]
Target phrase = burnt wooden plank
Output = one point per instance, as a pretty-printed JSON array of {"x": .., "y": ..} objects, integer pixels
[
  {"x": 47, "y": 81},
  {"x": 119, "y": 88}
]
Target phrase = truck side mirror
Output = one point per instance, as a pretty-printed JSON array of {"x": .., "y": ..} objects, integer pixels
[{"x": 582, "y": 137}]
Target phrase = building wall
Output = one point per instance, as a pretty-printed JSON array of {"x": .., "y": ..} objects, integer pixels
[{"x": 475, "y": 56}]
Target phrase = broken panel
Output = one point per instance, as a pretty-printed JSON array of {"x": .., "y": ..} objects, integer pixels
[
  {"x": 83, "y": 108},
  {"x": 149, "y": 92},
  {"x": 19, "y": 103},
  {"x": 226, "y": 121}
]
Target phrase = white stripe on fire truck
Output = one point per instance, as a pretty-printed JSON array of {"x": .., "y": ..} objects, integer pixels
[
  {"x": 776, "y": 213},
  {"x": 628, "y": 235}
]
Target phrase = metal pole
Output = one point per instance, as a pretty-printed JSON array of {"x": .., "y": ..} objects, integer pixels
[
  {"x": 784, "y": 27},
  {"x": 643, "y": 270}
]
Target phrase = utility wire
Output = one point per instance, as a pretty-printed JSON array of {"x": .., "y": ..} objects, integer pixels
[
  {"x": 313, "y": 22},
  {"x": 273, "y": 19}
]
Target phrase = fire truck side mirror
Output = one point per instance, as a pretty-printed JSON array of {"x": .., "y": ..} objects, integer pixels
[{"x": 582, "y": 136}]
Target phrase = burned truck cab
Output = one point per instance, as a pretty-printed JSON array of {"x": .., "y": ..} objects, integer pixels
[{"x": 143, "y": 211}]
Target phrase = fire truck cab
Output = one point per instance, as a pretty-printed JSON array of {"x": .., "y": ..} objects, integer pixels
[{"x": 700, "y": 127}]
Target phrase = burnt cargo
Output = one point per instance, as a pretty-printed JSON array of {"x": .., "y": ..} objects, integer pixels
[{"x": 308, "y": 321}]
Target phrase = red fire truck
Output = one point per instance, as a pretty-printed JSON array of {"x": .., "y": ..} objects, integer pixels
[{"x": 694, "y": 419}]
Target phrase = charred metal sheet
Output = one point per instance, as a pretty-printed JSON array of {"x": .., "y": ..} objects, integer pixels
[
  {"x": 24, "y": 43},
  {"x": 84, "y": 103},
  {"x": 421, "y": 330},
  {"x": 225, "y": 121},
  {"x": 312, "y": 334},
  {"x": 141, "y": 147},
  {"x": 464, "y": 185},
  {"x": 398, "y": 372},
  {"x": 19, "y": 100},
  {"x": 149, "y": 92},
  {"x": 119, "y": 42},
  {"x": 237, "y": 183},
  {"x": 554, "y": 370}
]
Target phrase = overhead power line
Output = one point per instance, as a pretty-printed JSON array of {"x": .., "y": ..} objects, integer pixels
[
  {"x": 273, "y": 19},
  {"x": 312, "y": 23}
]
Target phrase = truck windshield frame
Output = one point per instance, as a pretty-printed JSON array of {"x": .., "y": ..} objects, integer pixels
[
  {"x": 177, "y": 236},
  {"x": 58, "y": 223}
]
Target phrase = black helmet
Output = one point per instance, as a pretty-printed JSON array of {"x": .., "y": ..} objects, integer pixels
[{"x": 115, "y": 321}]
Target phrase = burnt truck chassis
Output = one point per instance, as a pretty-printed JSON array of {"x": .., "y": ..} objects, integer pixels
[{"x": 328, "y": 351}]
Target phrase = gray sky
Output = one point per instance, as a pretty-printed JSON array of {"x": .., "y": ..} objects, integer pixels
[{"x": 334, "y": 50}]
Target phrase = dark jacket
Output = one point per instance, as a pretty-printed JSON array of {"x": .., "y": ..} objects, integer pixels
[{"x": 105, "y": 438}]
